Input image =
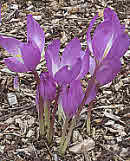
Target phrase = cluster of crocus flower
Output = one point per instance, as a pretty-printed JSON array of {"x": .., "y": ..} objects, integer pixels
[
  {"x": 67, "y": 70},
  {"x": 62, "y": 81}
]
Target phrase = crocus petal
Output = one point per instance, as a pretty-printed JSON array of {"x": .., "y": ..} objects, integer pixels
[
  {"x": 35, "y": 33},
  {"x": 31, "y": 55},
  {"x": 108, "y": 70},
  {"x": 88, "y": 35},
  {"x": 47, "y": 87},
  {"x": 63, "y": 76},
  {"x": 85, "y": 64},
  {"x": 71, "y": 97},
  {"x": 92, "y": 65},
  {"x": 52, "y": 57},
  {"x": 16, "y": 83},
  {"x": 66, "y": 74},
  {"x": 71, "y": 52},
  {"x": 120, "y": 46},
  {"x": 92, "y": 93},
  {"x": 10, "y": 44},
  {"x": 76, "y": 68},
  {"x": 110, "y": 15},
  {"x": 14, "y": 65},
  {"x": 105, "y": 35},
  {"x": 102, "y": 39}
]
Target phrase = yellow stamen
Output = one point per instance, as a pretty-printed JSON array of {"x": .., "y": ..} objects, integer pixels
[
  {"x": 18, "y": 56},
  {"x": 108, "y": 47},
  {"x": 100, "y": 13},
  {"x": 106, "y": 52},
  {"x": 126, "y": 31}
]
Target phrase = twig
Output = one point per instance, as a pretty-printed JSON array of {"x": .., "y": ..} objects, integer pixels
[
  {"x": 10, "y": 15},
  {"x": 48, "y": 149},
  {"x": 11, "y": 35},
  {"x": 34, "y": 150},
  {"x": 108, "y": 107}
]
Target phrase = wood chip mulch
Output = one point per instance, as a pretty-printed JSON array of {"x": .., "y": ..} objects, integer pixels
[{"x": 110, "y": 122}]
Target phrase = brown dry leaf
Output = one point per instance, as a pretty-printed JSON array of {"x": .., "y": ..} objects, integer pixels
[
  {"x": 2, "y": 149},
  {"x": 77, "y": 136},
  {"x": 19, "y": 159},
  {"x": 54, "y": 5},
  {"x": 22, "y": 124},
  {"x": 39, "y": 17},
  {"x": 85, "y": 146},
  {"x": 11, "y": 1},
  {"x": 30, "y": 133},
  {"x": 11, "y": 128},
  {"x": 10, "y": 120},
  {"x": 3, "y": 126},
  {"x": 112, "y": 116},
  {"x": 98, "y": 121},
  {"x": 37, "y": 159},
  {"x": 64, "y": 37},
  {"x": 127, "y": 115},
  {"x": 124, "y": 152},
  {"x": 6, "y": 70},
  {"x": 118, "y": 85},
  {"x": 28, "y": 150},
  {"x": 73, "y": 10},
  {"x": 61, "y": 2},
  {"x": 30, "y": 120}
]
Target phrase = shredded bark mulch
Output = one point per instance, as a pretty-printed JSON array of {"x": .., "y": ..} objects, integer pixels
[{"x": 110, "y": 122}]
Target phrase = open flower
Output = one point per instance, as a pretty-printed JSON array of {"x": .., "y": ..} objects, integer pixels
[
  {"x": 25, "y": 56},
  {"x": 109, "y": 44},
  {"x": 67, "y": 70},
  {"x": 73, "y": 64}
]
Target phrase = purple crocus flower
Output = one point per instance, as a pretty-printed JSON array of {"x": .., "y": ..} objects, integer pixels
[
  {"x": 72, "y": 96},
  {"x": 47, "y": 86},
  {"x": 47, "y": 89},
  {"x": 109, "y": 44},
  {"x": 25, "y": 56},
  {"x": 16, "y": 83},
  {"x": 73, "y": 64},
  {"x": 67, "y": 70}
]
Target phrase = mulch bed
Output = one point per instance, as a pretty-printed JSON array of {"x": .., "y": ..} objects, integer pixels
[{"x": 110, "y": 122}]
